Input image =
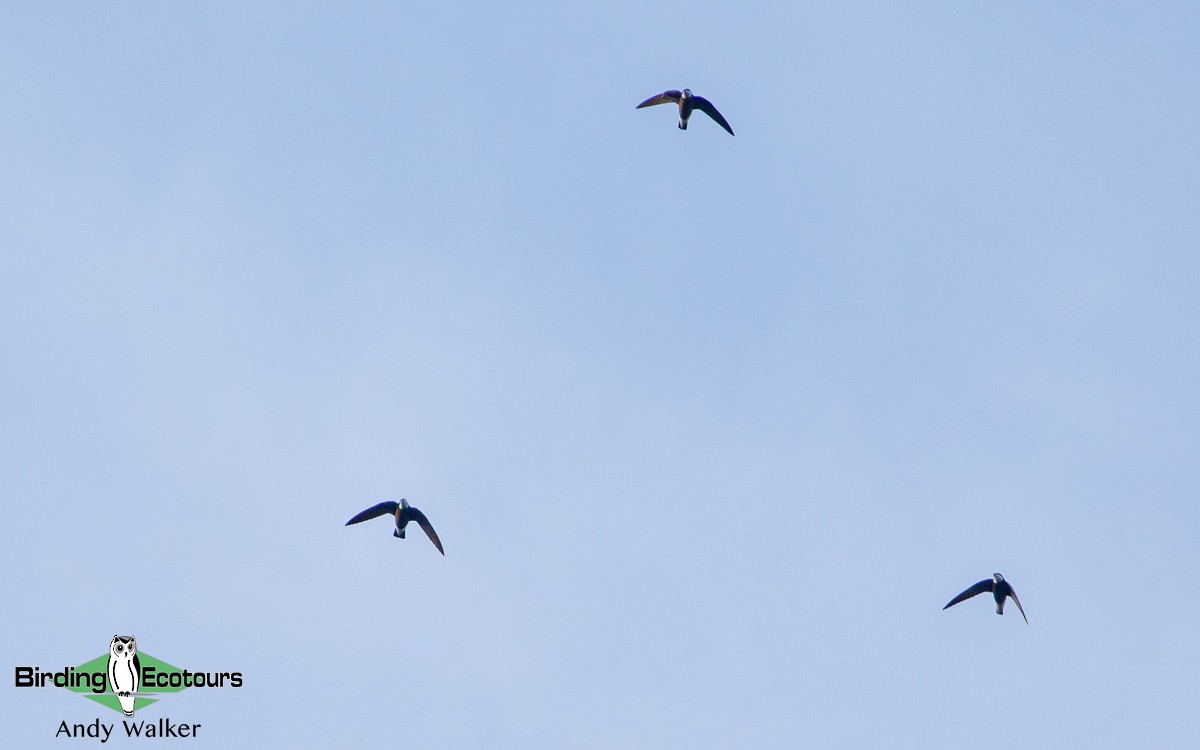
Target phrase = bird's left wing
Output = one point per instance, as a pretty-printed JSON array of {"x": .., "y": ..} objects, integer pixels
[
  {"x": 707, "y": 108},
  {"x": 420, "y": 518},
  {"x": 387, "y": 507},
  {"x": 663, "y": 98},
  {"x": 976, "y": 590}
]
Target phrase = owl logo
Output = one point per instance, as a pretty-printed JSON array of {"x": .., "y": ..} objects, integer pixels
[{"x": 124, "y": 671}]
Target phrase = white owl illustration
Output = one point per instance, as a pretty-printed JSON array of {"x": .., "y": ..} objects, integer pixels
[{"x": 124, "y": 671}]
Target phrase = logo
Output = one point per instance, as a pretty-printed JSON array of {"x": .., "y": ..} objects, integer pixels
[
  {"x": 127, "y": 680},
  {"x": 124, "y": 671}
]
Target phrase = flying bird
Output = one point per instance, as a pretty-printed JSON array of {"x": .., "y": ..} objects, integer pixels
[
  {"x": 687, "y": 102},
  {"x": 999, "y": 587},
  {"x": 403, "y": 513}
]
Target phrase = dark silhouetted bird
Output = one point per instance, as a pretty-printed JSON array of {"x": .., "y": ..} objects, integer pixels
[
  {"x": 999, "y": 587},
  {"x": 687, "y": 102},
  {"x": 403, "y": 513}
]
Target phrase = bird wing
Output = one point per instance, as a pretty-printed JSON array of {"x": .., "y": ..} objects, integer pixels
[
  {"x": 663, "y": 98},
  {"x": 707, "y": 108},
  {"x": 1013, "y": 593},
  {"x": 420, "y": 518},
  {"x": 975, "y": 590},
  {"x": 387, "y": 507}
]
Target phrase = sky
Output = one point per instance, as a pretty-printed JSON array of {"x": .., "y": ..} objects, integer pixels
[{"x": 711, "y": 427}]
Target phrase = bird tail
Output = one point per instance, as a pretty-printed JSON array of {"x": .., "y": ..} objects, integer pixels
[
  {"x": 398, "y": 534},
  {"x": 683, "y": 124}
]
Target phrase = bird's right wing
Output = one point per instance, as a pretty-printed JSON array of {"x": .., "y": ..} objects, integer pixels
[
  {"x": 663, "y": 98},
  {"x": 420, "y": 518},
  {"x": 385, "y": 508},
  {"x": 1013, "y": 593},
  {"x": 707, "y": 108},
  {"x": 975, "y": 590}
]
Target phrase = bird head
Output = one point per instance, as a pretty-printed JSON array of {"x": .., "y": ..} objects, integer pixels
[
  {"x": 997, "y": 578},
  {"x": 404, "y": 504},
  {"x": 687, "y": 93}
]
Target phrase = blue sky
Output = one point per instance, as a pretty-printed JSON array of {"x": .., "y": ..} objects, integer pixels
[{"x": 711, "y": 427}]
